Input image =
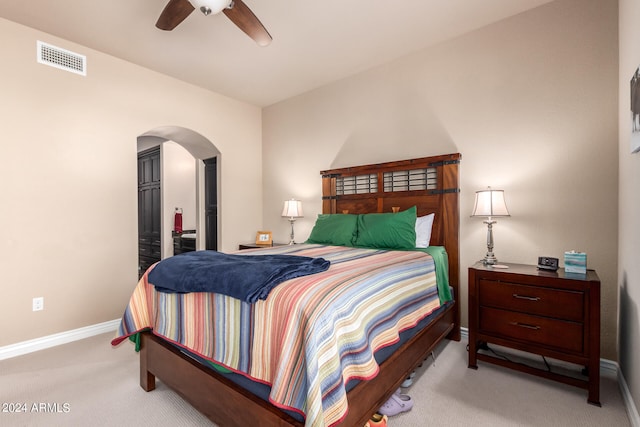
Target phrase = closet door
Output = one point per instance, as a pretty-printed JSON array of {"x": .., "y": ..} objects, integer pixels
[
  {"x": 211, "y": 203},
  {"x": 149, "y": 208}
]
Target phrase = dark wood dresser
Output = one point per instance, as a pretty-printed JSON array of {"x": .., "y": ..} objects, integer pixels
[
  {"x": 184, "y": 242},
  {"x": 551, "y": 314}
]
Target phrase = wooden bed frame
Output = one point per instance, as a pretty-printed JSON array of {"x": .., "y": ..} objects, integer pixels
[{"x": 227, "y": 404}]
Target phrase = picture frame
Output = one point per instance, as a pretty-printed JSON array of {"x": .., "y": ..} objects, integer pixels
[{"x": 264, "y": 238}]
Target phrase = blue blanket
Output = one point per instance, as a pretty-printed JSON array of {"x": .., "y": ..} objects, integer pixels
[{"x": 245, "y": 277}]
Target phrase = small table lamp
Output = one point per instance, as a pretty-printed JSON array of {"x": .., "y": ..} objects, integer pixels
[
  {"x": 490, "y": 203},
  {"x": 292, "y": 210}
]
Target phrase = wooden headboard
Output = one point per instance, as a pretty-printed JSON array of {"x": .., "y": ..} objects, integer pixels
[{"x": 429, "y": 183}]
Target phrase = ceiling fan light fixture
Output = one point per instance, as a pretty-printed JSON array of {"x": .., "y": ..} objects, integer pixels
[
  {"x": 239, "y": 13},
  {"x": 208, "y": 7}
]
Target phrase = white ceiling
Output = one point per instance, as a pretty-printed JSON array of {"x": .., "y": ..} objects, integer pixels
[{"x": 314, "y": 43}]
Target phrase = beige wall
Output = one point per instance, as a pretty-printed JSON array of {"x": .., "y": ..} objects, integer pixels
[
  {"x": 629, "y": 235},
  {"x": 68, "y": 202},
  {"x": 178, "y": 190},
  {"x": 530, "y": 102}
]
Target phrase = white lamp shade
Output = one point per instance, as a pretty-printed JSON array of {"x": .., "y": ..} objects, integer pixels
[
  {"x": 216, "y": 6},
  {"x": 292, "y": 209},
  {"x": 490, "y": 203}
]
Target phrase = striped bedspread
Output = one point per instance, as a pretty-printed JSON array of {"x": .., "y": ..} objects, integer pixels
[{"x": 311, "y": 335}]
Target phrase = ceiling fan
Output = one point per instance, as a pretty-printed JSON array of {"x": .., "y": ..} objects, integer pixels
[{"x": 176, "y": 11}]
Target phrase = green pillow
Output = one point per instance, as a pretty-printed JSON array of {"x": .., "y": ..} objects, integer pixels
[
  {"x": 387, "y": 230},
  {"x": 336, "y": 229}
]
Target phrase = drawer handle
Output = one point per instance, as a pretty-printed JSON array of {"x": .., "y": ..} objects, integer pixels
[
  {"x": 526, "y": 297},
  {"x": 524, "y": 325}
]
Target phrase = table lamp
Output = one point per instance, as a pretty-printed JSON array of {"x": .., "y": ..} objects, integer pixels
[
  {"x": 490, "y": 204},
  {"x": 292, "y": 210}
]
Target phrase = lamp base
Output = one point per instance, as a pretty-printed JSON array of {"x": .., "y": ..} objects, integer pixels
[
  {"x": 489, "y": 259},
  {"x": 292, "y": 241}
]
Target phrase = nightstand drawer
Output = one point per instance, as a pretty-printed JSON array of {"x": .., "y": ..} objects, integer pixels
[
  {"x": 557, "y": 303},
  {"x": 558, "y": 334}
]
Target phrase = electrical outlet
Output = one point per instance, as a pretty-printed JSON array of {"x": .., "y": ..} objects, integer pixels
[{"x": 38, "y": 304}]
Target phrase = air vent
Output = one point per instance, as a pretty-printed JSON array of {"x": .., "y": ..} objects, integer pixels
[{"x": 62, "y": 58}]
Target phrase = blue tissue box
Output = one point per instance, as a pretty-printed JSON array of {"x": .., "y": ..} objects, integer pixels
[{"x": 575, "y": 262}]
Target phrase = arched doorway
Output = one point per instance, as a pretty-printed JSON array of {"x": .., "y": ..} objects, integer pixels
[{"x": 206, "y": 164}]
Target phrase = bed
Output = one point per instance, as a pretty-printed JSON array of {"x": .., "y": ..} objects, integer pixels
[{"x": 421, "y": 186}]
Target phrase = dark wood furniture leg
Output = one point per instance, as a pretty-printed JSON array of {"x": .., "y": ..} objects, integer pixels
[{"x": 147, "y": 379}]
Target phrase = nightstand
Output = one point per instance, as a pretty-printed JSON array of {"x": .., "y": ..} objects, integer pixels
[
  {"x": 243, "y": 246},
  {"x": 184, "y": 242},
  {"x": 551, "y": 314}
]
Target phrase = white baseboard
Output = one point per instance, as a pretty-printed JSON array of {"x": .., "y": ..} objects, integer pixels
[
  {"x": 632, "y": 410},
  {"x": 36, "y": 344},
  {"x": 610, "y": 369}
]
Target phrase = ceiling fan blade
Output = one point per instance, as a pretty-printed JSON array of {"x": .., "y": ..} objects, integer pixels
[
  {"x": 244, "y": 18},
  {"x": 174, "y": 13}
]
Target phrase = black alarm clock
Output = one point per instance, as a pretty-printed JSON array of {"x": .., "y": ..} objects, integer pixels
[{"x": 547, "y": 263}]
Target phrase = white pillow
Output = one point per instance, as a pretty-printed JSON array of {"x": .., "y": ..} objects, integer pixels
[{"x": 423, "y": 230}]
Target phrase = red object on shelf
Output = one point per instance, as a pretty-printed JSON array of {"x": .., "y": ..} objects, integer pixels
[{"x": 177, "y": 221}]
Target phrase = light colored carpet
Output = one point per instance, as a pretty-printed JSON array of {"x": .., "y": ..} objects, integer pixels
[{"x": 90, "y": 383}]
